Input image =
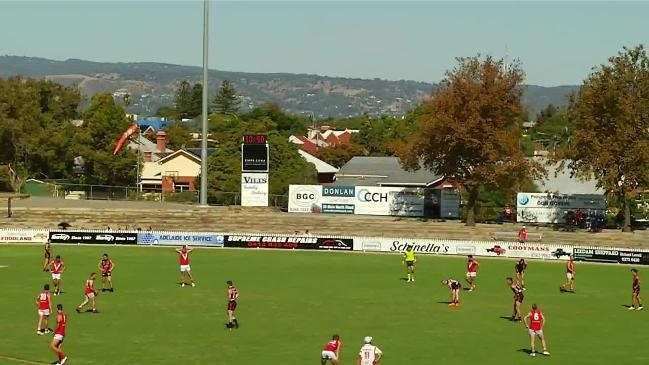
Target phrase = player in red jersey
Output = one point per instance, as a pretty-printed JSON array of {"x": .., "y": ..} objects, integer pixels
[
  {"x": 90, "y": 294},
  {"x": 59, "y": 335},
  {"x": 44, "y": 309},
  {"x": 185, "y": 269},
  {"x": 455, "y": 287},
  {"x": 472, "y": 272},
  {"x": 518, "y": 298},
  {"x": 331, "y": 351},
  {"x": 233, "y": 295},
  {"x": 106, "y": 266},
  {"x": 569, "y": 286},
  {"x": 520, "y": 267},
  {"x": 535, "y": 321},
  {"x": 57, "y": 267},
  {"x": 48, "y": 255},
  {"x": 636, "y": 303}
]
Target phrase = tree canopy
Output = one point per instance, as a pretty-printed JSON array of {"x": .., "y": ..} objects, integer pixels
[
  {"x": 36, "y": 133},
  {"x": 470, "y": 129},
  {"x": 611, "y": 119},
  {"x": 226, "y": 101}
]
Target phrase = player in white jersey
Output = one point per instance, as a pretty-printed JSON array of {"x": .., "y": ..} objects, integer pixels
[{"x": 369, "y": 354}]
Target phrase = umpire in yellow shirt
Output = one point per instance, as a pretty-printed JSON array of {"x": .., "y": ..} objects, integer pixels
[{"x": 409, "y": 259}]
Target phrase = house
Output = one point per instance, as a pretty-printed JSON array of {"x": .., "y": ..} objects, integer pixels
[
  {"x": 326, "y": 172},
  {"x": 169, "y": 171},
  {"x": 151, "y": 151},
  {"x": 151, "y": 124},
  {"x": 387, "y": 171},
  {"x": 322, "y": 137}
]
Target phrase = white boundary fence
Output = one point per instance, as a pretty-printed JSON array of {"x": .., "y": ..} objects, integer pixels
[{"x": 530, "y": 250}]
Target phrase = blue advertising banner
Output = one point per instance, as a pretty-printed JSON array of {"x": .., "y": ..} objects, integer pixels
[{"x": 179, "y": 239}]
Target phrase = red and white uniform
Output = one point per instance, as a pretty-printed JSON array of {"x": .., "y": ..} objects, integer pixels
[
  {"x": 472, "y": 268},
  {"x": 330, "y": 350},
  {"x": 57, "y": 269},
  {"x": 536, "y": 322},
  {"x": 90, "y": 290},
  {"x": 369, "y": 353},
  {"x": 184, "y": 261},
  {"x": 44, "y": 303},
  {"x": 570, "y": 269},
  {"x": 61, "y": 321}
]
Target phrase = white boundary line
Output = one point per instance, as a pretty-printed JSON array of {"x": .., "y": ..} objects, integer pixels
[{"x": 15, "y": 359}]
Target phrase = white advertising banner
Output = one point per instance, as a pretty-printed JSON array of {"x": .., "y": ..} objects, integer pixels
[
  {"x": 371, "y": 200},
  {"x": 23, "y": 236},
  {"x": 553, "y": 208},
  {"x": 254, "y": 189},
  {"x": 464, "y": 248}
]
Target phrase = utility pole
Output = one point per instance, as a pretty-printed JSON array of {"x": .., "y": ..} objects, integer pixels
[{"x": 203, "y": 192}]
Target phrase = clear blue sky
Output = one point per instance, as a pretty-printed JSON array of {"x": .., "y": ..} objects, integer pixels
[{"x": 557, "y": 42}]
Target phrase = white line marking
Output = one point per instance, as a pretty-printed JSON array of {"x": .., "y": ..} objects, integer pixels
[{"x": 22, "y": 360}]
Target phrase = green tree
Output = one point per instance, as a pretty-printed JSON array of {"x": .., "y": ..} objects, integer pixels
[
  {"x": 469, "y": 131},
  {"x": 104, "y": 122},
  {"x": 226, "y": 101},
  {"x": 337, "y": 156},
  {"x": 196, "y": 106},
  {"x": 178, "y": 135},
  {"x": 35, "y": 130},
  {"x": 610, "y": 113}
]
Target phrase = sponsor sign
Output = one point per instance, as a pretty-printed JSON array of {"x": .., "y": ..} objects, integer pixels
[
  {"x": 596, "y": 254},
  {"x": 630, "y": 257},
  {"x": 254, "y": 157},
  {"x": 290, "y": 242},
  {"x": 180, "y": 239},
  {"x": 537, "y": 251},
  {"x": 371, "y": 200},
  {"x": 23, "y": 236},
  {"x": 464, "y": 248},
  {"x": 107, "y": 237},
  {"x": 553, "y": 208},
  {"x": 254, "y": 189}
]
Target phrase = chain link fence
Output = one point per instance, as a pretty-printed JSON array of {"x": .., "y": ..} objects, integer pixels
[{"x": 61, "y": 190}]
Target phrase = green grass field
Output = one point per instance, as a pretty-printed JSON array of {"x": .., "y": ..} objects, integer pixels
[{"x": 292, "y": 302}]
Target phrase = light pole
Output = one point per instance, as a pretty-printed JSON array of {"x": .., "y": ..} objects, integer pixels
[{"x": 203, "y": 192}]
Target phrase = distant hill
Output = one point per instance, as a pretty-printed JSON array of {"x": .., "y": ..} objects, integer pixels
[{"x": 153, "y": 84}]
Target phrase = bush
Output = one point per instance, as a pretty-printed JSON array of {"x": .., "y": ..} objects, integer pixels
[{"x": 182, "y": 197}]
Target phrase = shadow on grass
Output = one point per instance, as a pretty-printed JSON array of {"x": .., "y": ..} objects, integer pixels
[{"x": 527, "y": 351}]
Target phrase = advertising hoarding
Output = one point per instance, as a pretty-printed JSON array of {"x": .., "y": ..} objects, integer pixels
[
  {"x": 553, "y": 208},
  {"x": 180, "y": 239},
  {"x": 254, "y": 189},
  {"x": 91, "y": 237},
  {"x": 370, "y": 200}
]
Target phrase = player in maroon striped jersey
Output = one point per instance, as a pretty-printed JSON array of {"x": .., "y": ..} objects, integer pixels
[
  {"x": 233, "y": 294},
  {"x": 517, "y": 289},
  {"x": 455, "y": 287},
  {"x": 636, "y": 303}
]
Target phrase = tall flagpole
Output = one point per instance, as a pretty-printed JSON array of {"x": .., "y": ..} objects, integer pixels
[{"x": 203, "y": 191}]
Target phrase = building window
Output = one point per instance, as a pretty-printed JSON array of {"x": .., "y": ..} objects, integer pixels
[{"x": 180, "y": 187}]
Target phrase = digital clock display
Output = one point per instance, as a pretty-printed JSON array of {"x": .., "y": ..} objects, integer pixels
[{"x": 254, "y": 139}]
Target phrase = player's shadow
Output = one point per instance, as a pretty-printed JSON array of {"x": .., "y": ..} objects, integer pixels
[
  {"x": 403, "y": 279},
  {"x": 506, "y": 318},
  {"x": 527, "y": 351},
  {"x": 447, "y": 303}
]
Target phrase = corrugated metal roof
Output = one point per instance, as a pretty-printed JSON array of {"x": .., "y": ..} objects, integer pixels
[{"x": 382, "y": 171}]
